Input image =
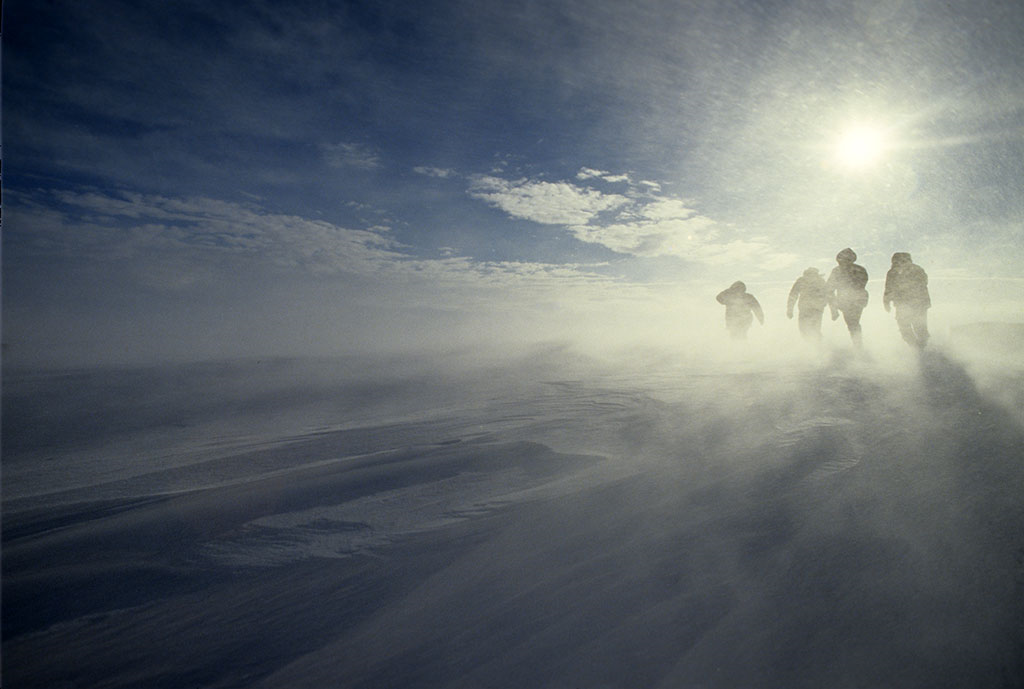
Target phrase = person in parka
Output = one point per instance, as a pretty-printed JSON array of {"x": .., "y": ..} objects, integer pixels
[
  {"x": 810, "y": 294},
  {"x": 846, "y": 292},
  {"x": 740, "y": 309},
  {"x": 906, "y": 285}
]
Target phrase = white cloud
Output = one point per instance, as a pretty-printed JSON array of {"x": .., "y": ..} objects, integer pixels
[
  {"x": 355, "y": 155},
  {"x": 549, "y": 203},
  {"x": 680, "y": 237},
  {"x": 648, "y": 225},
  {"x": 140, "y": 227},
  {"x": 178, "y": 242},
  {"x": 443, "y": 173},
  {"x": 590, "y": 173},
  {"x": 668, "y": 209}
]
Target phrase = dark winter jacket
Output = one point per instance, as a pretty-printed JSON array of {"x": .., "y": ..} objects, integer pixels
[
  {"x": 809, "y": 291},
  {"x": 739, "y": 304},
  {"x": 906, "y": 284},
  {"x": 845, "y": 285}
]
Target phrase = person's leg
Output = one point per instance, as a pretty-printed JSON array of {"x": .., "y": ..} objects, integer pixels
[
  {"x": 738, "y": 326},
  {"x": 815, "y": 318},
  {"x": 921, "y": 327},
  {"x": 906, "y": 326},
  {"x": 913, "y": 324},
  {"x": 852, "y": 317},
  {"x": 804, "y": 323},
  {"x": 810, "y": 323}
]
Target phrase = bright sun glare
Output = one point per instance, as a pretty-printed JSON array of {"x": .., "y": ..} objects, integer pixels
[{"x": 860, "y": 146}]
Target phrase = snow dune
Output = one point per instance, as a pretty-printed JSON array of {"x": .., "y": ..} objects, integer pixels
[{"x": 541, "y": 523}]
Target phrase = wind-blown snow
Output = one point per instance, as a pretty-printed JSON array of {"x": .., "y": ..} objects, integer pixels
[{"x": 540, "y": 522}]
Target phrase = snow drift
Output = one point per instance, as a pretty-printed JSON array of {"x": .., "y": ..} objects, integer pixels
[{"x": 540, "y": 522}]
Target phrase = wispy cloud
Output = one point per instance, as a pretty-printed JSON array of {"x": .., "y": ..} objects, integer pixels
[
  {"x": 129, "y": 225},
  {"x": 644, "y": 223},
  {"x": 675, "y": 237},
  {"x": 178, "y": 241},
  {"x": 549, "y": 203},
  {"x": 355, "y": 155},
  {"x": 443, "y": 173},
  {"x": 198, "y": 231},
  {"x": 590, "y": 173}
]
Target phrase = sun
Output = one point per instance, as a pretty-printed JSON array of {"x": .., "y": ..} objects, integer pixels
[{"x": 860, "y": 146}]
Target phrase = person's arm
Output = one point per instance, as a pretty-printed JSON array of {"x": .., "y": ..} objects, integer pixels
[
  {"x": 755, "y": 306},
  {"x": 794, "y": 294},
  {"x": 861, "y": 274},
  {"x": 830, "y": 295}
]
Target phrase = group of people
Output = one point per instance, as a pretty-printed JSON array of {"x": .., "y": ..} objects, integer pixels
[{"x": 906, "y": 287}]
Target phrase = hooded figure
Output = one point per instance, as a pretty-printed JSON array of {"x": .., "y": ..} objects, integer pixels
[
  {"x": 906, "y": 285},
  {"x": 846, "y": 293},
  {"x": 810, "y": 294},
  {"x": 740, "y": 309}
]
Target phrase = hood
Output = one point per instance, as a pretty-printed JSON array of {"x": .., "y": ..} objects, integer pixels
[
  {"x": 738, "y": 287},
  {"x": 901, "y": 258},
  {"x": 812, "y": 272},
  {"x": 846, "y": 255}
]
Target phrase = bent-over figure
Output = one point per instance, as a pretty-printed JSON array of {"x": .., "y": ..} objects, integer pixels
[{"x": 740, "y": 309}]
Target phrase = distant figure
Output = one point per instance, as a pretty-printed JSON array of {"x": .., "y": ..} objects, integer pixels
[
  {"x": 906, "y": 285},
  {"x": 740, "y": 309},
  {"x": 810, "y": 294},
  {"x": 846, "y": 293}
]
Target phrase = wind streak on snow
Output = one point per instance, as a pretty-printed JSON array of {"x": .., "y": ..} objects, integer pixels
[{"x": 548, "y": 522}]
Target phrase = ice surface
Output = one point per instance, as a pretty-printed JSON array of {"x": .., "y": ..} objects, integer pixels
[{"x": 544, "y": 521}]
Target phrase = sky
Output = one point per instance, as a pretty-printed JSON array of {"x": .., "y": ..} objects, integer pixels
[{"x": 195, "y": 180}]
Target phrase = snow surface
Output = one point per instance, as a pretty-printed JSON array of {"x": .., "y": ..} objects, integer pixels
[{"x": 542, "y": 521}]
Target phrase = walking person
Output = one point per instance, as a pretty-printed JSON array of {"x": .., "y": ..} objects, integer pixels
[
  {"x": 810, "y": 295},
  {"x": 906, "y": 286},
  {"x": 846, "y": 292},
  {"x": 740, "y": 309}
]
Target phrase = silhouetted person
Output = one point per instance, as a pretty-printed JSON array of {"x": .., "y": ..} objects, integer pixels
[
  {"x": 906, "y": 285},
  {"x": 846, "y": 293},
  {"x": 740, "y": 309},
  {"x": 810, "y": 294}
]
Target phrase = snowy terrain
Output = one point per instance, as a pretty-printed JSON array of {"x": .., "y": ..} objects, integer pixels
[{"x": 546, "y": 520}]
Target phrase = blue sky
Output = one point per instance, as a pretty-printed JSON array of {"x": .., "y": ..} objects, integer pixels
[{"x": 197, "y": 179}]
